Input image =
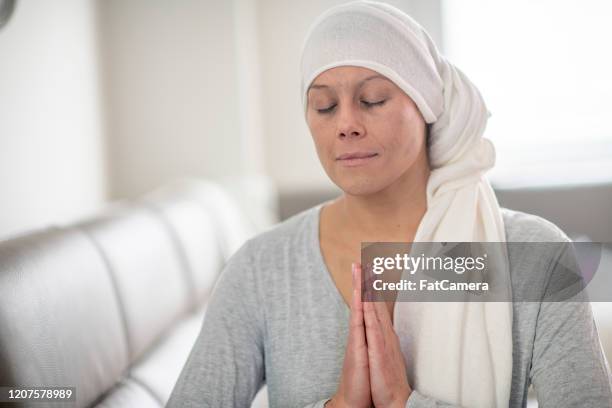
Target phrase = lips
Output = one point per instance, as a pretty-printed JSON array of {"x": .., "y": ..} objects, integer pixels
[
  {"x": 355, "y": 159},
  {"x": 356, "y": 155}
]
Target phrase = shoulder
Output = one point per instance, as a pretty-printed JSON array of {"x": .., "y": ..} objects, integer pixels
[
  {"x": 288, "y": 237},
  {"x": 524, "y": 227},
  {"x": 260, "y": 269},
  {"x": 258, "y": 266},
  {"x": 539, "y": 252},
  {"x": 298, "y": 226}
]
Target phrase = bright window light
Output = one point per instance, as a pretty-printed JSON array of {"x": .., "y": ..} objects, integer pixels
[{"x": 544, "y": 68}]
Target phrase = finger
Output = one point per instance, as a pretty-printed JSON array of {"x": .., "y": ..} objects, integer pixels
[
  {"x": 356, "y": 329},
  {"x": 367, "y": 280},
  {"x": 383, "y": 316},
  {"x": 356, "y": 271},
  {"x": 373, "y": 328}
]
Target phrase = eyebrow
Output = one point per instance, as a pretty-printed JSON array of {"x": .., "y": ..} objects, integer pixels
[{"x": 359, "y": 85}]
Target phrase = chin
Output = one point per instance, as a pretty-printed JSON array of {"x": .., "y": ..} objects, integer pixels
[{"x": 360, "y": 186}]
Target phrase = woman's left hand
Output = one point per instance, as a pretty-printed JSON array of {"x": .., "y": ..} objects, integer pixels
[{"x": 388, "y": 379}]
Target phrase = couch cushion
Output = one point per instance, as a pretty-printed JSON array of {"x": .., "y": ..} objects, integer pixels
[
  {"x": 127, "y": 394},
  {"x": 233, "y": 227},
  {"x": 151, "y": 282},
  {"x": 160, "y": 368},
  {"x": 59, "y": 315},
  {"x": 193, "y": 229}
]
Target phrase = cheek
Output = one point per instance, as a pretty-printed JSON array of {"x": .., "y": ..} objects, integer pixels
[
  {"x": 405, "y": 133},
  {"x": 320, "y": 136},
  {"x": 405, "y": 130}
]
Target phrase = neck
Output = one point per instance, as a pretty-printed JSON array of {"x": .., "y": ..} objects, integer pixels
[{"x": 392, "y": 214}]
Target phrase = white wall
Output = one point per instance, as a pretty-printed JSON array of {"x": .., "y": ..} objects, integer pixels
[
  {"x": 181, "y": 85},
  {"x": 291, "y": 159},
  {"x": 248, "y": 72},
  {"x": 51, "y": 146},
  {"x": 181, "y": 88}
]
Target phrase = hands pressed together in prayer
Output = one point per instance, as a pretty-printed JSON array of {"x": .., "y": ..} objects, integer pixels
[{"x": 373, "y": 372}]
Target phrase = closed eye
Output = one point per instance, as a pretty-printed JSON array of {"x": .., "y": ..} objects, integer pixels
[
  {"x": 372, "y": 104},
  {"x": 327, "y": 110}
]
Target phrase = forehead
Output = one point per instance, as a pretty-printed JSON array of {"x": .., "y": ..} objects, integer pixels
[{"x": 345, "y": 77}]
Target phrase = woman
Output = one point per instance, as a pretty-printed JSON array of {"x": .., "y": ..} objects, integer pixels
[{"x": 399, "y": 130}]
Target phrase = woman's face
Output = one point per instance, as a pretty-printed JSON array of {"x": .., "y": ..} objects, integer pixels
[{"x": 368, "y": 133}]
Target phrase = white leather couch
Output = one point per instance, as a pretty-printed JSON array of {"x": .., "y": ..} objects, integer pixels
[{"x": 112, "y": 304}]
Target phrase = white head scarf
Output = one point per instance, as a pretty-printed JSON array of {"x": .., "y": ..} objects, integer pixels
[{"x": 460, "y": 353}]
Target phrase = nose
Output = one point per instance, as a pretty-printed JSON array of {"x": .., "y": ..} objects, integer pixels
[{"x": 349, "y": 123}]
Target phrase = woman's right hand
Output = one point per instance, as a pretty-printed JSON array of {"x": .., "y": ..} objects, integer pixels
[{"x": 354, "y": 387}]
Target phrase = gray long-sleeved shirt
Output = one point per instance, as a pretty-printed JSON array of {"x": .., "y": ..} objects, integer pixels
[{"x": 275, "y": 316}]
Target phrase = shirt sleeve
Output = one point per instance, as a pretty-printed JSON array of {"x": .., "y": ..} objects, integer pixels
[
  {"x": 568, "y": 367},
  {"x": 226, "y": 365}
]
